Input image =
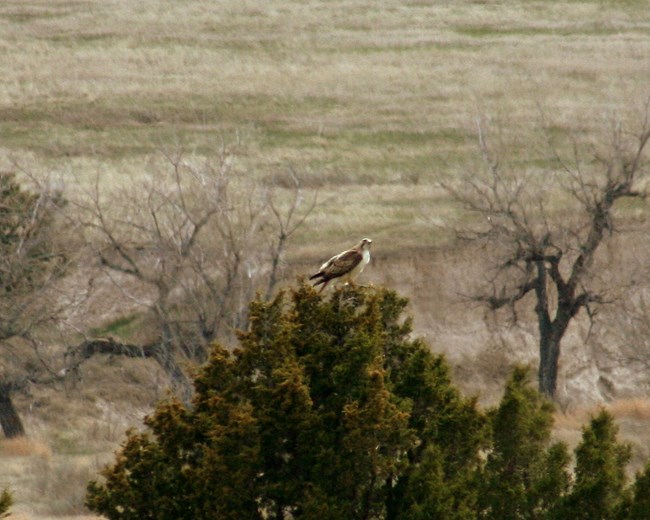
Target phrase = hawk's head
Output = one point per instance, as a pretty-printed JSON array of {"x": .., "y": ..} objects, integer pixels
[{"x": 365, "y": 243}]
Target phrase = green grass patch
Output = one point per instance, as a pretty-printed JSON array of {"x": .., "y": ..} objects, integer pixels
[
  {"x": 407, "y": 137},
  {"x": 125, "y": 125},
  {"x": 278, "y": 135},
  {"x": 114, "y": 128},
  {"x": 357, "y": 156},
  {"x": 491, "y": 31},
  {"x": 25, "y": 16},
  {"x": 121, "y": 327},
  {"x": 82, "y": 39}
]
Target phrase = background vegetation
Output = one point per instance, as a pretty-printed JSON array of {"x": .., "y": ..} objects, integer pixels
[
  {"x": 328, "y": 410},
  {"x": 369, "y": 104}
]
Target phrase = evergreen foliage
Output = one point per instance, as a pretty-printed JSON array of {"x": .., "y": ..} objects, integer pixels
[
  {"x": 599, "y": 491},
  {"x": 639, "y": 507},
  {"x": 523, "y": 477},
  {"x": 330, "y": 410},
  {"x": 327, "y": 410}
]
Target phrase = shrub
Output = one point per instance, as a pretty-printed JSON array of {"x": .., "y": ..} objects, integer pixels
[
  {"x": 523, "y": 476},
  {"x": 600, "y": 490},
  {"x": 328, "y": 409}
]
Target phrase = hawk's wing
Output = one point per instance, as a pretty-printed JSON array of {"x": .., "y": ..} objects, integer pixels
[{"x": 341, "y": 264}]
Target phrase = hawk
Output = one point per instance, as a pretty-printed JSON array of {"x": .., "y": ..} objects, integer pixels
[{"x": 346, "y": 265}]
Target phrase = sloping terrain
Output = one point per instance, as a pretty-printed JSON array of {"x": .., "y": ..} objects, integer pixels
[{"x": 370, "y": 103}]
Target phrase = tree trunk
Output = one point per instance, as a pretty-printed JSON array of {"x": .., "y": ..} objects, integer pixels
[
  {"x": 549, "y": 357},
  {"x": 10, "y": 421},
  {"x": 549, "y": 339},
  {"x": 551, "y": 334},
  {"x": 179, "y": 381},
  {"x": 395, "y": 496}
]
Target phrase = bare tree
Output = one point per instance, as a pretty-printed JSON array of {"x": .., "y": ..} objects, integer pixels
[
  {"x": 33, "y": 258},
  {"x": 623, "y": 340},
  {"x": 544, "y": 227},
  {"x": 287, "y": 222},
  {"x": 187, "y": 244}
]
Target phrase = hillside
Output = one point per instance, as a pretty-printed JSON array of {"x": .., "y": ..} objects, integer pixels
[{"x": 370, "y": 104}]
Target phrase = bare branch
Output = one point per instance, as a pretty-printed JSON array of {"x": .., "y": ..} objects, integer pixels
[
  {"x": 286, "y": 226},
  {"x": 495, "y": 302},
  {"x": 191, "y": 238}
]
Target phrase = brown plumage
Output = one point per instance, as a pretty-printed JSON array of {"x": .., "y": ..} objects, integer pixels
[{"x": 346, "y": 265}]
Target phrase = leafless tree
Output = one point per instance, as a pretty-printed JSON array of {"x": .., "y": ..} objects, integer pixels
[
  {"x": 543, "y": 227},
  {"x": 287, "y": 222},
  {"x": 33, "y": 258},
  {"x": 189, "y": 245},
  {"x": 623, "y": 340}
]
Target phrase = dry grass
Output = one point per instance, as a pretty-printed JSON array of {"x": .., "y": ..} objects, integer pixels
[
  {"x": 24, "y": 447},
  {"x": 634, "y": 409},
  {"x": 361, "y": 104},
  {"x": 631, "y": 415},
  {"x": 71, "y": 435},
  {"x": 386, "y": 90},
  {"x": 369, "y": 101}
]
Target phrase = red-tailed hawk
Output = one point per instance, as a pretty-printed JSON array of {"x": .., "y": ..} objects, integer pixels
[{"x": 346, "y": 265}]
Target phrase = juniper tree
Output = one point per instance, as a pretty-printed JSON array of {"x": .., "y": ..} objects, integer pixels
[
  {"x": 599, "y": 491},
  {"x": 639, "y": 506},
  {"x": 327, "y": 409},
  {"x": 524, "y": 476}
]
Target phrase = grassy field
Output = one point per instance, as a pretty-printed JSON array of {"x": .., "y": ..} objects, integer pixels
[
  {"x": 377, "y": 96},
  {"x": 370, "y": 102}
]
